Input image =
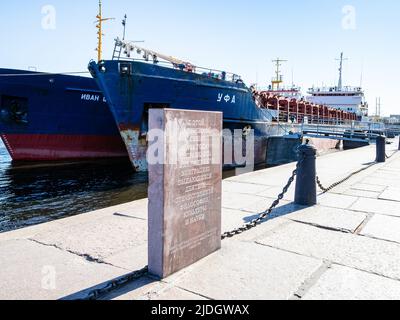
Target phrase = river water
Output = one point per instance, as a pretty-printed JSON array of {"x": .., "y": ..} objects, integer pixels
[{"x": 31, "y": 195}]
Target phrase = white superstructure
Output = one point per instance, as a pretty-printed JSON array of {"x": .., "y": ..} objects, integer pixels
[{"x": 351, "y": 99}]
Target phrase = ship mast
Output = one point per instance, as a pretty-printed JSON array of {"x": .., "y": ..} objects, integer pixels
[
  {"x": 100, "y": 34},
  {"x": 124, "y": 25},
  {"x": 340, "y": 84},
  {"x": 278, "y": 80}
]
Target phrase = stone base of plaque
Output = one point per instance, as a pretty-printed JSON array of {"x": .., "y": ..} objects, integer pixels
[{"x": 184, "y": 192}]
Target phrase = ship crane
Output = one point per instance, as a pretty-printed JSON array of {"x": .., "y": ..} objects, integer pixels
[{"x": 131, "y": 46}]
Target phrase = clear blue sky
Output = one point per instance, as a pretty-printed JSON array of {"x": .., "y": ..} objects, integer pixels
[{"x": 238, "y": 36}]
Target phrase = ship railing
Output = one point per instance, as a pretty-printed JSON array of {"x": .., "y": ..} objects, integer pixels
[
  {"x": 152, "y": 57},
  {"x": 211, "y": 73},
  {"x": 351, "y": 130},
  {"x": 335, "y": 89},
  {"x": 300, "y": 117},
  {"x": 284, "y": 89}
]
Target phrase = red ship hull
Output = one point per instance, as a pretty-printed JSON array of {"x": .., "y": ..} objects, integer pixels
[{"x": 45, "y": 147}]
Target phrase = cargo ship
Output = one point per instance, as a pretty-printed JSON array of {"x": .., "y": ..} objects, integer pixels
[
  {"x": 55, "y": 117},
  {"x": 346, "y": 98},
  {"x": 133, "y": 86}
]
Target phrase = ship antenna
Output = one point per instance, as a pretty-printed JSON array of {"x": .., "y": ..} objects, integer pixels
[
  {"x": 100, "y": 34},
  {"x": 124, "y": 25},
  {"x": 124, "y": 33},
  {"x": 362, "y": 75},
  {"x": 292, "y": 78},
  {"x": 340, "y": 84},
  {"x": 278, "y": 80}
]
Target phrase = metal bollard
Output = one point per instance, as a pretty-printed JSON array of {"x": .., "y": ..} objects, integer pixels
[
  {"x": 381, "y": 149},
  {"x": 399, "y": 142},
  {"x": 306, "y": 185}
]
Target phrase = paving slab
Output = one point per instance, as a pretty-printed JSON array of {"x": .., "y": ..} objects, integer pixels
[
  {"x": 243, "y": 271},
  {"x": 99, "y": 239},
  {"x": 391, "y": 193},
  {"x": 386, "y": 175},
  {"x": 336, "y": 201},
  {"x": 271, "y": 177},
  {"x": 132, "y": 258},
  {"x": 363, "y": 253},
  {"x": 273, "y": 192},
  {"x": 332, "y": 218},
  {"x": 238, "y": 202},
  {"x": 381, "y": 182},
  {"x": 264, "y": 204},
  {"x": 243, "y": 188},
  {"x": 362, "y": 193},
  {"x": 148, "y": 289},
  {"x": 391, "y": 169},
  {"x": 342, "y": 283},
  {"x": 232, "y": 219},
  {"x": 384, "y": 207},
  {"x": 178, "y": 294},
  {"x": 264, "y": 229},
  {"x": 383, "y": 227},
  {"x": 368, "y": 187},
  {"x": 137, "y": 209},
  {"x": 42, "y": 272},
  {"x": 141, "y": 289}
]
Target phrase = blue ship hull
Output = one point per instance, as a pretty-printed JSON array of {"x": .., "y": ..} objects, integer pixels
[
  {"x": 46, "y": 117},
  {"x": 132, "y": 88}
]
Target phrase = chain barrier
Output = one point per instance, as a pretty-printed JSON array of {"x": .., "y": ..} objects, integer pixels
[
  {"x": 325, "y": 190},
  {"x": 388, "y": 157},
  {"x": 120, "y": 282},
  {"x": 254, "y": 223},
  {"x": 117, "y": 284}
]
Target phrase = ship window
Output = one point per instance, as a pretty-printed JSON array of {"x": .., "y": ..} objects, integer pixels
[{"x": 14, "y": 109}]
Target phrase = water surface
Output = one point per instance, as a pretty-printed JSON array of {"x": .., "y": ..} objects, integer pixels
[{"x": 32, "y": 194}]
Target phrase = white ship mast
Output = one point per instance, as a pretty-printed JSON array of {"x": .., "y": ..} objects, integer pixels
[{"x": 340, "y": 84}]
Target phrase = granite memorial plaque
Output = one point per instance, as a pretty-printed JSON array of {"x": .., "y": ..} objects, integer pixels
[{"x": 184, "y": 188}]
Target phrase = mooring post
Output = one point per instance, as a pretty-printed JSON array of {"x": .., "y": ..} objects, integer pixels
[
  {"x": 399, "y": 142},
  {"x": 381, "y": 149},
  {"x": 306, "y": 183}
]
